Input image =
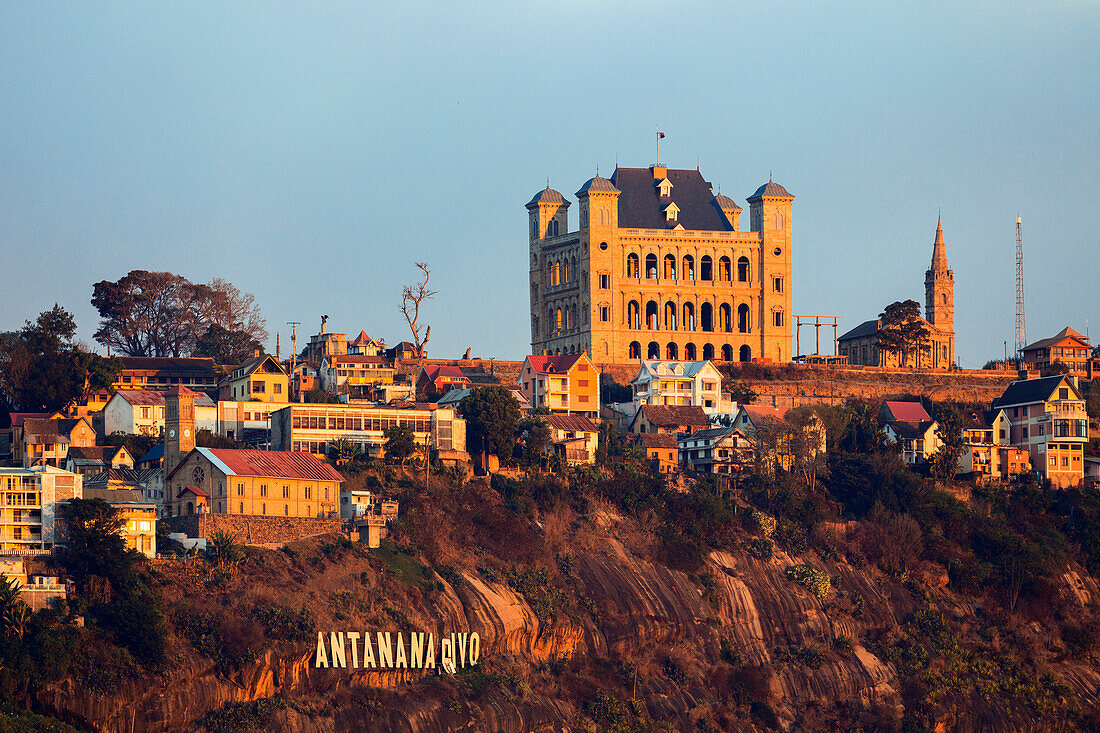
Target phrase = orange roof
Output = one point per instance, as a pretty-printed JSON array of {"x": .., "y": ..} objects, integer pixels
[{"x": 762, "y": 413}]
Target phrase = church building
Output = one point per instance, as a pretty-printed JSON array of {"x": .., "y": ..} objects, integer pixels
[
  {"x": 660, "y": 268},
  {"x": 860, "y": 344}
]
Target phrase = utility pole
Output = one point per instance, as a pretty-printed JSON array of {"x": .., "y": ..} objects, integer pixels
[
  {"x": 1021, "y": 329},
  {"x": 293, "y": 347}
]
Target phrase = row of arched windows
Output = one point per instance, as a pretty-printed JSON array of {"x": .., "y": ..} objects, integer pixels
[
  {"x": 656, "y": 318},
  {"x": 562, "y": 271},
  {"x": 672, "y": 352},
  {"x": 562, "y": 319},
  {"x": 707, "y": 271}
]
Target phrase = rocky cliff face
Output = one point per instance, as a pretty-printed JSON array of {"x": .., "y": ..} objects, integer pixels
[{"x": 676, "y": 632}]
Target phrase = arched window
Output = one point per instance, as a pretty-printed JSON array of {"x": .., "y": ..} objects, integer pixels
[
  {"x": 778, "y": 318},
  {"x": 190, "y": 508},
  {"x": 554, "y": 228},
  {"x": 654, "y": 350},
  {"x": 633, "y": 316},
  {"x": 727, "y": 353},
  {"x": 242, "y": 508},
  {"x": 605, "y": 217},
  {"x": 651, "y": 266},
  {"x": 689, "y": 267},
  {"x": 725, "y": 318},
  {"x": 724, "y": 269},
  {"x": 651, "y": 316},
  {"x": 672, "y": 352},
  {"x": 632, "y": 265},
  {"x": 635, "y": 350},
  {"x": 689, "y": 317},
  {"x": 558, "y": 325},
  {"x": 670, "y": 267},
  {"x": 742, "y": 269},
  {"x": 706, "y": 271},
  {"x": 670, "y": 316},
  {"x": 744, "y": 322},
  {"x": 745, "y": 353},
  {"x": 689, "y": 352},
  {"x": 706, "y": 317},
  {"x": 708, "y": 352},
  {"x": 778, "y": 220}
]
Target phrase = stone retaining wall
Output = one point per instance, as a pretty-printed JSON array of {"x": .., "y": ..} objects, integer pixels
[{"x": 252, "y": 529}]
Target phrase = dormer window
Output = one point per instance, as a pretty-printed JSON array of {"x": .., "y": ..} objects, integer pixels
[
  {"x": 664, "y": 187},
  {"x": 672, "y": 212}
]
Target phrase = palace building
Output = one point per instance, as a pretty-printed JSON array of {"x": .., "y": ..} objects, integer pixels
[{"x": 659, "y": 268}]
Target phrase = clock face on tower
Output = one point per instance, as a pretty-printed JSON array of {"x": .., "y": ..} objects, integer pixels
[
  {"x": 186, "y": 433},
  {"x": 172, "y": 433}
]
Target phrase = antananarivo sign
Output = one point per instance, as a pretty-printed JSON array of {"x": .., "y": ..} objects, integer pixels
[{"x": 389, "y": 652}]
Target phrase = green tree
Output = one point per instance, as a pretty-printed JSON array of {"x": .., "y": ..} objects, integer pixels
[
  {"x": 225, "y": 346},
  {"x": 741, "y": 393},
  {"x": 95, "y": 545},
  {"x": 14, "y": 613},
  {"x": 491, "y": 414},
  {"x": 902, "y": 331},
  {"x": 400, "y": 443},
  {"x": 945, "y": 461},
  {"x": 42, "y": 368},
  {"x": 536, "y": 439},
  {"x": 223, "y": 549}
]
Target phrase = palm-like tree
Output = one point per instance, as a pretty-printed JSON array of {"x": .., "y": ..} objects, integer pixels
[
  {"x": 223, "y": 549},
  {"x": 14, "y": 613}
]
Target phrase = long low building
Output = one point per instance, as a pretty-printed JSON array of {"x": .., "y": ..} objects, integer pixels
[{"x": 313, "y": 427}]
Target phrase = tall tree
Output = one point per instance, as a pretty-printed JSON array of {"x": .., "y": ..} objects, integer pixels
[
  {"x": 225, "y": 346},
  {"x": 902, "y": 331},
  {"x": 163, "y": 314},
  {"x": 492, "y": 414},
  {"x": 412, "y": 297},
  {"x": 945, "y": 461},
  {"x": 43, "y": 369}
]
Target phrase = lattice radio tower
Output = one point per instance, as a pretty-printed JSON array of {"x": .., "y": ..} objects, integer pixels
[{"x": 1021, "y": 329}]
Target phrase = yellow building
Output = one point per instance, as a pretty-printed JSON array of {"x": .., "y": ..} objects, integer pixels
[
  {"x": 29, "y": 498},
  {"x": 659, "y": 268},
  {"x": 227, "y": 481},
  {"x": 260, "y": 379}
]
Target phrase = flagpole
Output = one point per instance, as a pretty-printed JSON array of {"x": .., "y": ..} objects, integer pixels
[{"x": 658, "y": 144}]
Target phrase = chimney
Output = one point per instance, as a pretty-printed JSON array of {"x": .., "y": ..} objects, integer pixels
[{"x": 660, "y": 172}]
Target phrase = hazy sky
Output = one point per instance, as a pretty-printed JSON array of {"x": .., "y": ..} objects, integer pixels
[{"x": 310, "y": 153}]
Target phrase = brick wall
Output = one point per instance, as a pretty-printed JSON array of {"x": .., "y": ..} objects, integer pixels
[{"x": 252, "y": 529}]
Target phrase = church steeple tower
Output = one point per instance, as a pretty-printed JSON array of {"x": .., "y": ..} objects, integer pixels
[{"x": 939, "y": 290}]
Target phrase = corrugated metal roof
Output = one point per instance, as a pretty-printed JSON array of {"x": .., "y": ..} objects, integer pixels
[
  {"x": 270, "y": 463},
  {"x": 907, "y": 411},
  {"x": 675, "y": 415},
  {"x": 572, "y": 423},
  {"x": 771, "y": 188}
]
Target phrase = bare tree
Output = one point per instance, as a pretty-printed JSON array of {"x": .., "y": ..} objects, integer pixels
[
  {"x": 412, "y": 296},
  {"x": 236, "y": 311}
]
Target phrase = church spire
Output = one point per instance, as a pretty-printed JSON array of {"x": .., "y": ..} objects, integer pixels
[{"x": 939, "y": 249}]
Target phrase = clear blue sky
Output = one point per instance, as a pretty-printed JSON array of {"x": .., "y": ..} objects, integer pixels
[{"x": 311, "y": 153}]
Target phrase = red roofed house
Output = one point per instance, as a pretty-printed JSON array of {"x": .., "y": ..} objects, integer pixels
[
  {"x": 903, "y": 411},
  {"x": 251, "y": 482},
  {"x": 575, "y": 438},
  {"x": 671, "y": 419},
  {"x": 565, "y": 383},
  {"x": 364, "y": 345},
  {"x": 440, "y": 379}
]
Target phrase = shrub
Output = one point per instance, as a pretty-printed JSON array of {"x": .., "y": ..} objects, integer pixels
[
  {"x": 242, "y": 716},
  {"x": 816, "y": 581},
  {"x": 761, "y": 548},
  {"x": 842, "y": 643},
  {"x": 284, "y": 623},
  {"x": 765, "y": 523},
  {"x": 674, "y": 671},
  {"x": 229, "y": 640}
]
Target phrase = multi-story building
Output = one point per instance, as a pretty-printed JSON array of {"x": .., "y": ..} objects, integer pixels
[
  {"x": 1048, "y": 418},
  {"x": 671, "y": 419},
  {"x": 659, "y": 268},
  {"x": 354, "y": 374},
  {"x": 565, "y": 383},
  {"x": 141, "y": 412},
  {"x": 259, "y": 379},
  {"x": 662, "y": 450},
  {"x": 90, "y": 460},
  {"x": 440, "y": 378},
  {"x": 29, "y": 500},
  {"x": 138, "y": 516},
  {"x": 1067, "y": 346},
  {"x": 679, "y": 383},
  {"x": 39, "y": 442},
  {"x": 247, "y": 422},
  {"x": 722, "y": 450},
  {"x": 230, "y": 481},
  {"x": 152, "y": 372},
  {"x": 575, "y": 438},
  {"x": 312, "y": 428},
  {"x": 861, "y": 344}
]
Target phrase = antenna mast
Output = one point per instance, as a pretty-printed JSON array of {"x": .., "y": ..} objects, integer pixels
[
  {"x": 1021, "y": 329},
  {"x": 293, "y": 345}
]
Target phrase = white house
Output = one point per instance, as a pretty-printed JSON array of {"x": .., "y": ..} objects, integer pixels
[
  {"x": 141, "y": 412},
  {"x": 693, "y": 383}
]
